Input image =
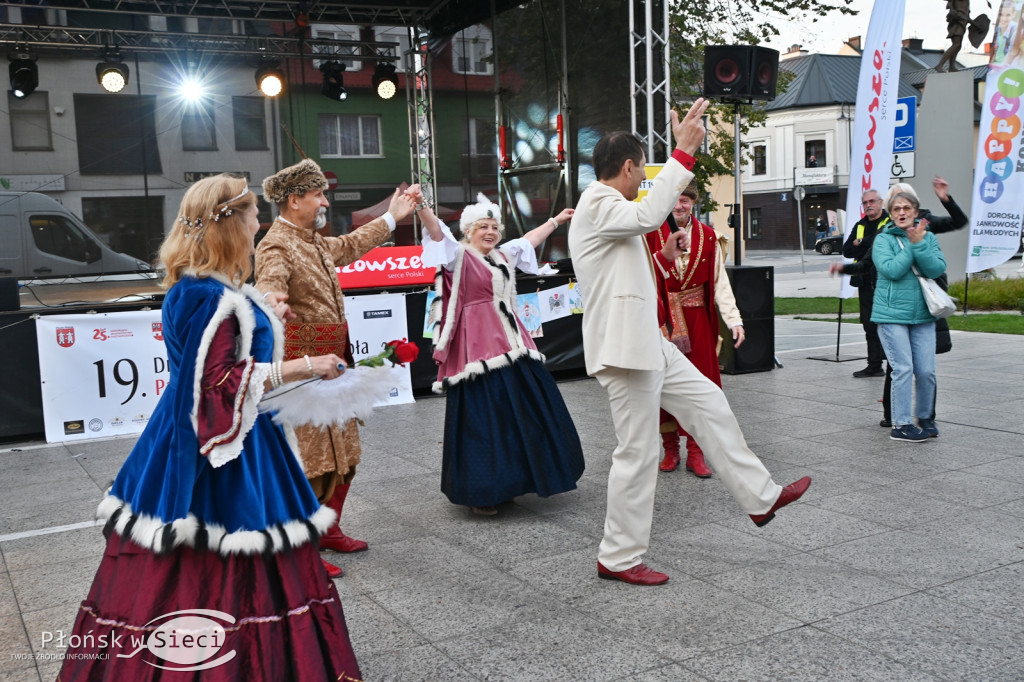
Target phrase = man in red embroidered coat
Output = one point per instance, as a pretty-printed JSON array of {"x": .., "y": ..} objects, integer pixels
[{"x": 688, "y": 290}]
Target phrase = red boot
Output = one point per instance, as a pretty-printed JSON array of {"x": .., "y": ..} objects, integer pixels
[
  {"x": 334, "y": 538},
  {"x": 695, "y": 459},
  {"x": 333, "y": 571},
  {"x": 670, "y": 441}
]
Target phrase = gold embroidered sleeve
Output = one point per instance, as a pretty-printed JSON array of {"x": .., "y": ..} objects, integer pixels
[
  {"x": 351, "y": 247},
  {"x": 273, "y": 267}
]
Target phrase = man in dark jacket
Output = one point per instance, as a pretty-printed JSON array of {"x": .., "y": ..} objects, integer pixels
[{"x": 858, "y": 247}]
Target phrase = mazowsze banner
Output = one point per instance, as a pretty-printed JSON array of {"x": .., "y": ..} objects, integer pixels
[
  {"x": 386, "y": 266},
  {"x": 998, "y": 169},
  {"x": 102, "y": 375},
  {"x": 874, "y": 120}
]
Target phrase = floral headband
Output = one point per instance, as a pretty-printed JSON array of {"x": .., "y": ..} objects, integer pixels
[{"x": 198, "y": 224}]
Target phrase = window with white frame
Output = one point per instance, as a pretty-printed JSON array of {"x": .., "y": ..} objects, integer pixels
[
  {"x": 400, "y": 35},
  {"x": 350, "y": 135},
  {"x": 814, "y": 154},
  {"x": 471, "y": 51},
  {"x": 30, "y": 122},
  {"x": 337, "y": 52},
  {"x": 759, "y": 164}
]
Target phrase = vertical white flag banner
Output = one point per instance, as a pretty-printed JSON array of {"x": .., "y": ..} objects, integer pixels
[
  {"x": 874, "y": 120},
  {"x": 996, "y": 210}
]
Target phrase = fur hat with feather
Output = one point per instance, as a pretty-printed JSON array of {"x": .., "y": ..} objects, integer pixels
[
  {"x": 305, "y": 176},
  {"x": 482, "y": 209}
]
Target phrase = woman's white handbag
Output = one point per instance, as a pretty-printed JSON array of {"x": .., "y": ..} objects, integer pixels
[{"x": 938, "y": 301}]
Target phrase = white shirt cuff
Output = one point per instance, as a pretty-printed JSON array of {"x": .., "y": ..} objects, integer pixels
[{"x": 390, "y": 220}]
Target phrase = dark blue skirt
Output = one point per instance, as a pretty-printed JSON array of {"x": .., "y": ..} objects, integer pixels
[{"x": 508, "y": 433}]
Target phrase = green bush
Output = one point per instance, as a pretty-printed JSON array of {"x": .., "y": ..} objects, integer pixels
[{"x": 990, "y": 294}]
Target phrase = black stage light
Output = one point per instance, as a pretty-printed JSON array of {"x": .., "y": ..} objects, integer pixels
[
  {"x": 334, "y": 81},
  {"x": 385, "y": 82},
  {"x": 270, "y": 79},
  {"x": 24, "y": 74},
  {"x": 112, "y": 73}
]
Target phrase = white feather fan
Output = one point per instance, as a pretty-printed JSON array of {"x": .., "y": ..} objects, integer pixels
[{"x": 336, "y": 401}]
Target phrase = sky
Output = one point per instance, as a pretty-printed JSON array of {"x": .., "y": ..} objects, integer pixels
[{"x": 924, "y": 19}]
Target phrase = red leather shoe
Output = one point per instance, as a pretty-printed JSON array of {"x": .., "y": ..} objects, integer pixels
[
  {"x": 791, "y": 493},
  {"x": 638, "y": 575},
  {"x": 695, "y": 460},
  {"x": 670, "y": 463},
  {"x": 332, "y": 570},
  {"x": 336, "y": 540}
]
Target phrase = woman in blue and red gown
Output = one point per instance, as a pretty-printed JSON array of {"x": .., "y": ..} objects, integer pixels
[{"x": 212, "y": 526}]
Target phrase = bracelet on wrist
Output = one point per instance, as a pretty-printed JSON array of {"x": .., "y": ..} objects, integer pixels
[
  {"x": 420, "y": 206},
  {"x": 309, "y": 366}
]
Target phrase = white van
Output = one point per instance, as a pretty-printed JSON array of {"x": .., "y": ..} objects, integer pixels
[{"x": 41, "y": 239}]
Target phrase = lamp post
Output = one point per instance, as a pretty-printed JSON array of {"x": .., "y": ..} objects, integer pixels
[{"x": 738, "y": 210}]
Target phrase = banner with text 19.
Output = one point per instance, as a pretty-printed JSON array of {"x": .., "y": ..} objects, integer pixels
[
  {"x": 102, "y": 375},
  {"x": 874, "y": 120},
  {"x": 996, "y": 211}
]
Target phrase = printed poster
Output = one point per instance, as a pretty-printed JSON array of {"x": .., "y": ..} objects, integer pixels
[
  {"x": 554, "y": 303},
  {"x": 575, "y": 298},
  {"x": 528, "y": 310}
]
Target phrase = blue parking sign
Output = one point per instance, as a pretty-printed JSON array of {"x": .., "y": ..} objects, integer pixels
[{"x": 904, "y": 138}]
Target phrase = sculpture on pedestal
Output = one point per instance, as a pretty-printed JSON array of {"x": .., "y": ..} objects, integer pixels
[{"x": 958, "y": 18}]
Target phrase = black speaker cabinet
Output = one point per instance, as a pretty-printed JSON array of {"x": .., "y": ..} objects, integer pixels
[
  {"x": 764, "y": 70},
  {"x": 10, "y": 299},
  {"x": 754, "y": 289},
  {"x": 740, "y": 72}
]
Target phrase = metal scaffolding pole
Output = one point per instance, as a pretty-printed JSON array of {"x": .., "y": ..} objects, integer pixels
[
  {"x": 649, "y": 72},
  {"x": 420, "y": 99}
]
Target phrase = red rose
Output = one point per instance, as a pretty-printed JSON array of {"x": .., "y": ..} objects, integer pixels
[{"x": 403, "y": 351}]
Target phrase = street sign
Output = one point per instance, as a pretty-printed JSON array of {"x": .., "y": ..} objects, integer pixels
[
  {"x": 905, "y": 133},
  {"x": 799, "y": 193},
  {"x": 332, "y": 179},
  {"x": 903, "y": 165}
]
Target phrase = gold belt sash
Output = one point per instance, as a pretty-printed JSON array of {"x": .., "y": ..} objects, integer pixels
[{"x": 307, "y": 338}]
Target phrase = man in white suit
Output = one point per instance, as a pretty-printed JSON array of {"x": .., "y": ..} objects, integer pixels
[{"x": 637, "y": 366}]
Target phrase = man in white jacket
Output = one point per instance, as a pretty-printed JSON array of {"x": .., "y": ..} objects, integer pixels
[{"x": 637, "y": 366}]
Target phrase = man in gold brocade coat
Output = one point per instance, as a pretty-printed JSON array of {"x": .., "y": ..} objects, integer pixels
[{"x": 295, "y": 259}]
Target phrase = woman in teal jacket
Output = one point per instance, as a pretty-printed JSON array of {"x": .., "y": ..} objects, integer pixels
[{"x": 905, "y": 327}]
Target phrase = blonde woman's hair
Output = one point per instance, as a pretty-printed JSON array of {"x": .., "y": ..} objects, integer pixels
[
  {"x": 468, "y": 230},
  {"x": 209, "y": 235}
]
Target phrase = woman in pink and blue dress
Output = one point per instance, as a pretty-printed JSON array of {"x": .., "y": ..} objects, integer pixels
[
  {"x": 507, "y": 431},
  {"x": 211, "y": 524}
]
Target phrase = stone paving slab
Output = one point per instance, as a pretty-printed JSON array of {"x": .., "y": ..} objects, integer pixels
[{"x": 902, "y": 562}]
